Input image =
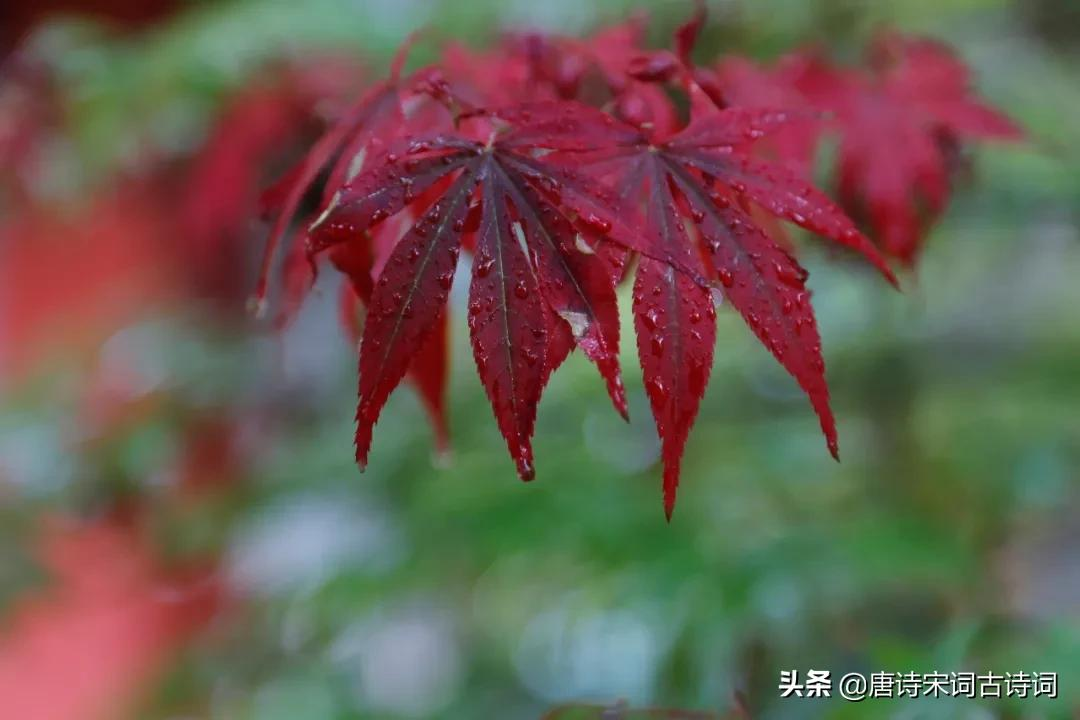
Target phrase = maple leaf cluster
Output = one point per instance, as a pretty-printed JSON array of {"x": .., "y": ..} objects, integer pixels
[
  {"x": 564, "y": 166},
  {"x": 900, "y": 121}
]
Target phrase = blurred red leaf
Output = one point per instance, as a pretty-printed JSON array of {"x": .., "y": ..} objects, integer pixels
[
  {"x": 897, "y": 124},
  {"x": 85, "y": 646},
  {"x": 68, "y": 283}
]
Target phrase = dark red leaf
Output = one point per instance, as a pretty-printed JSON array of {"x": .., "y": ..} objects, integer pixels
[
  {"x": 676, "y": 330},
  {"x": 407, "y": 302},
  {"x": 375, "y": 113},
  {"x": 550, "y": 290},
  {"x": 507, "y": 325},
  {"x": 768, "y": 288},
  {"x": 686, "y": 35},
  {"x": 428, "y": 370},
  {"x": 700, "y": 178},
  {"x": 578, "y": 289},
  {"x": 784, "y": 194},
  {"x": 744, "y": 84}
]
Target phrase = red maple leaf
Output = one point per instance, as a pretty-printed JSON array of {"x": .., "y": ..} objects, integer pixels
[
  {"x": 538, "y": 289},
  {"x": 739, "y": 82},
  {"x": 502, "y": 76},
  {"x": 553, "y": 198},
  {"x": 549, "y": 243},
  {"x": 898, "y": 124},
  {"x": 362, "y": 262},
  {"x": 697, "y": 187}
]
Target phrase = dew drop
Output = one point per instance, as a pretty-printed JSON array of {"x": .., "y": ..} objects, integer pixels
[
  {"x": 790, "y": 274},
  {"x": 483, "y": 267},
  {"x": 525, "y": 469},
  {"x": 597, "y": 223},
  {"x": 717, "y": 301},
  {"x": 657, "y": 390}
]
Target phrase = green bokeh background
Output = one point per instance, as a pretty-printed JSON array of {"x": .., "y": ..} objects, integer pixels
[{"x": 948, "y": 538}]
